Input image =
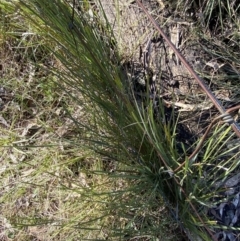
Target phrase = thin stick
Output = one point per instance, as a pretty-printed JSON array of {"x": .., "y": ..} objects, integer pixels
[{"x": 215, "y": 101}]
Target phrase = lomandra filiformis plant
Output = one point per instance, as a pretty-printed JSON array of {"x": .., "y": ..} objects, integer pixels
[{"x": 140, "y": 151}]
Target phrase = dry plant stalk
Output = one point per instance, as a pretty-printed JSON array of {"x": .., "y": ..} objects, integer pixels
[{"x": 217, "y": 104}]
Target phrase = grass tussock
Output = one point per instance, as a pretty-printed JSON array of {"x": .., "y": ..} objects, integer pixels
[
  {"x": 82, "y": 158},
  {"x": 54, "y": 185}
]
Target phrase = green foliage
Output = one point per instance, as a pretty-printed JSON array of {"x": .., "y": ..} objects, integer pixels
[{"x": 134, "y": 178}]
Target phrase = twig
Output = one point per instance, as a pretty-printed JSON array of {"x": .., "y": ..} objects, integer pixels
[{"x": 215, "y": 101}]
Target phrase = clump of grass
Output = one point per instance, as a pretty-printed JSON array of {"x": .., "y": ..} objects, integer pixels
[
  {"x": 122, "y": 192},
  {"x": 55, "y": 186}
]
